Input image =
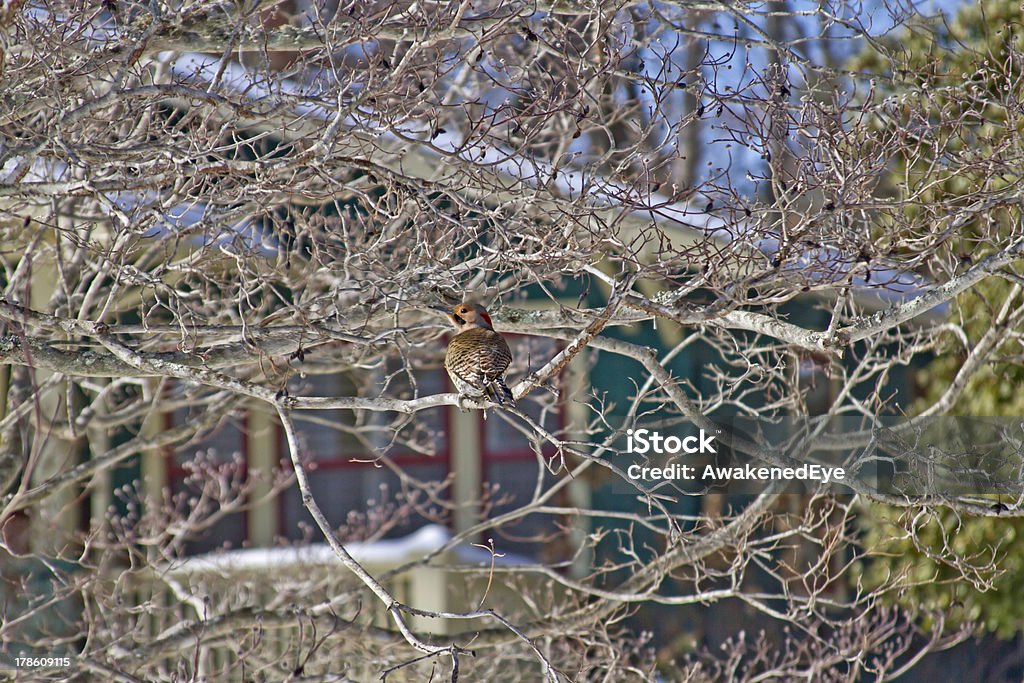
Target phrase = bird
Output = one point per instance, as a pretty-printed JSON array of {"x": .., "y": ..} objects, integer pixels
[{"x": 477, "y": 356}]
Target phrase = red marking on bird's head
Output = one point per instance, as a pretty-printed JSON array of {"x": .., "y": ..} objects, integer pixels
[{"x": 467, "y": 316}]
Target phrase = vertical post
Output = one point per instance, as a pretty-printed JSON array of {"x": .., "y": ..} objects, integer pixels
[
  {"x": 262, "y": 451},
  {"x": 54, "y": 521},
  {"x": 466, "y": 465},
  {"x": 101, "y": 487},
  {"x": 577, "y": 383},
  {"x": 153, "y": 461}
]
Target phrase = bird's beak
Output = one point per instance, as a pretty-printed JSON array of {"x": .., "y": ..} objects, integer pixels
[{"x": 441, "y": 309}]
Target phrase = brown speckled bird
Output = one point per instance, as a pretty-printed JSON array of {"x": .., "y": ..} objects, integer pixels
[{"x": 477, "y": 356}]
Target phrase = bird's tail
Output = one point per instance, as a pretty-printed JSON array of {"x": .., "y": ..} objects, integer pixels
[{"x": 500, "y": 393}]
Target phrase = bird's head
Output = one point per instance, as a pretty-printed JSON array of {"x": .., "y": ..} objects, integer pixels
[{"x": 466, "y": 316}]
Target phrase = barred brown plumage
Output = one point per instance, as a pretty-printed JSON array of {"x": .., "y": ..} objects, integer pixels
[{"x": 477, "y": 356}]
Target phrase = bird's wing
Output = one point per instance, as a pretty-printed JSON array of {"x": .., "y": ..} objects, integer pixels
[
  {"x": 467, "y": 380},
  {"x": 494, "y": 361}
]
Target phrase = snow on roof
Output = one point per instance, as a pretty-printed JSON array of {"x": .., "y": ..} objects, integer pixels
[
  {"x": 177, "y": 216},
  {"x": 884, "y": 284},
  {"x": 426, "y": 540}
]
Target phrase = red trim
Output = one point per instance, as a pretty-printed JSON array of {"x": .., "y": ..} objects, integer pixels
[
  {"x": 244, "y": 450},
  {"x": 171, "y": 467},
  {"x": 286, "y": 462}
]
